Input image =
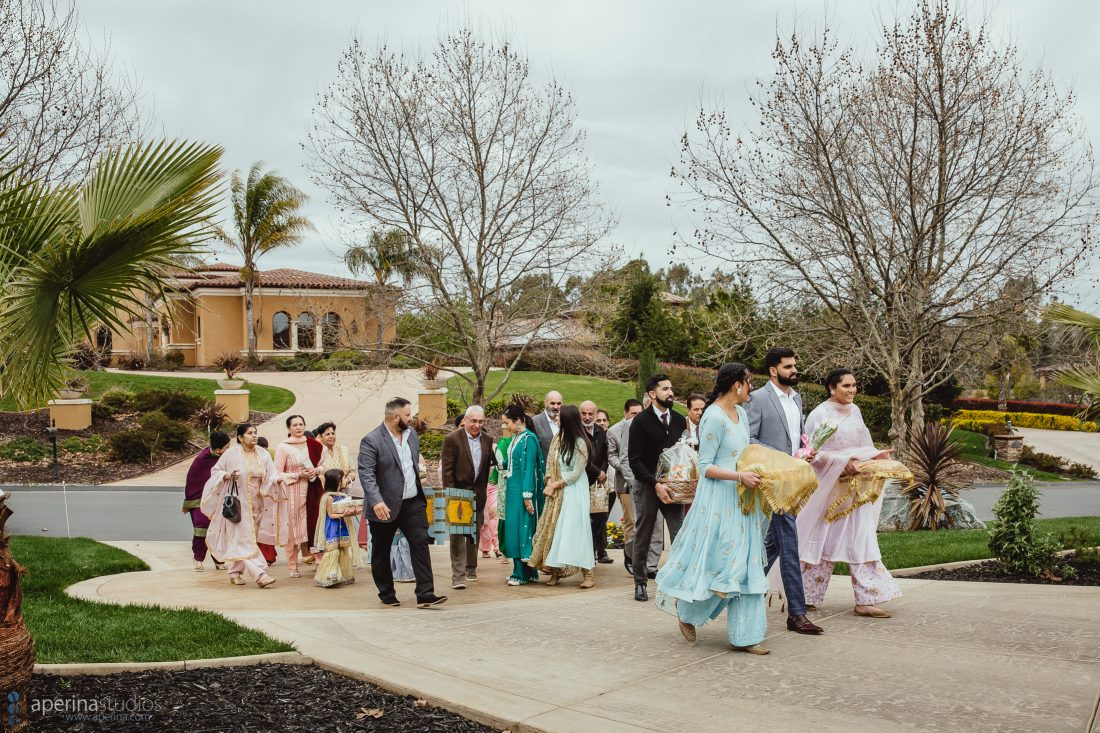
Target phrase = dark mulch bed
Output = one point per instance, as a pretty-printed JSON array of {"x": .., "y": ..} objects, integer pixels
[
  {"x": 991, "y": 571},
  {"x": 260, "y": 699},
  {"x": 84, "y": 468}
]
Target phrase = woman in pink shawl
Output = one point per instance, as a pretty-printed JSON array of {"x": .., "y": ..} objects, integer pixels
[
  {"x": 298, "y": 469},
  {"x": 253, "y": 473},
  {"x": 853, "y": 537}
]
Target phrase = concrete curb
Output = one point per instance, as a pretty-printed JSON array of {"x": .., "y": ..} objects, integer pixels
[
  {"x": 98, "y": 668},
  {"x": 908, "y": 572}
]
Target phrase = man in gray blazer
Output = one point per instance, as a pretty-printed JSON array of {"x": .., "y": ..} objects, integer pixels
[
  {"x": 545, "y": 424},
  {"x": 776, "y": 420},
  {"x": 618, "y": 446},
  {"x": 394, "y": 499}
]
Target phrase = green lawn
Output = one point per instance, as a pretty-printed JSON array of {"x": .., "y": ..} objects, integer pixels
[
  {"x": 974, "y": 451},
  {"x": 262, "y": 399},
  {"x": 916, "y": 549},
  {"x": 67, "y": 630},
  {"x": 606, "y": 393}
]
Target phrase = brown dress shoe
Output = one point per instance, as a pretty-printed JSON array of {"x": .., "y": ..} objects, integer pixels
[{"x": 803, "y": 625}]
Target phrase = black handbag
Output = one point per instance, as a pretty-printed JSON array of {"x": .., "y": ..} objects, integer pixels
[{"x": 231, "y": 504}]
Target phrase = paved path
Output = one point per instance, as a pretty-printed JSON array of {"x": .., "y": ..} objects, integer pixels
[
  {"x": 1062, "y": 499},
  {"x": 1073, "y": 446},
  {"x": 355, "y": 401},
  {"x": 956, "y": 656}
]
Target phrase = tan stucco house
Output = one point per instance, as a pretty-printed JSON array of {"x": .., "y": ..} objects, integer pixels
[{"x": 295, "y": 311}]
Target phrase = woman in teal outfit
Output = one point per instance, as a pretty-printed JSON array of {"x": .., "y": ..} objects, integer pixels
[
  {"x": 524, "y": 472},
  {"x": 717, "y": 560}
]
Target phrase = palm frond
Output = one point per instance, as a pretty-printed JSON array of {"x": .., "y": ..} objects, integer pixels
[
  {"x": 92, "y": 256},
  {"x": 1068, "y": 316}
]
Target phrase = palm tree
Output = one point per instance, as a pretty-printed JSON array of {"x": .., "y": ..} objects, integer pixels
[
  {"x": 265, "y": 217},
  {"x": 72, "y": 258},
  {"x": 384, "y": 255},
  {"x": 1086, "y": 379}
]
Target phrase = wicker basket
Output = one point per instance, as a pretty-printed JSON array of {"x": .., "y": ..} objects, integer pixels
[{"x": 682, "y": 492}]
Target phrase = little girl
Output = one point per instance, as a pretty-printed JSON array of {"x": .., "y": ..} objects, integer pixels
[{"x": 335, "y": 532}]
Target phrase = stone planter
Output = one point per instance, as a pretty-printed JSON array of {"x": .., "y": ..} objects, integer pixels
[
  {"x": 235, "y": 402},
  {"x": 230, "y": 383},
  {"x": 70, "y": 394},
  {"x": 1007, "y": 447},
  {"x": 432, "y": 407},
  {"x": 435, "y": 384}
]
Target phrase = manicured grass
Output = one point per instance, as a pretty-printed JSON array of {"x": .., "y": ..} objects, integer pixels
[
  {"x": 68, "y": 630},
  {"x": 916, "y": 549},
  {"x": 606, "y": 393},
  {"x": 974, "y": 451},
  {"x": 263, "y": 398}
]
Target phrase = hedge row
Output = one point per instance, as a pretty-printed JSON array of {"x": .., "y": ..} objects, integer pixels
[
  {"x": 980, "y": 421},
  {"x": 1044, "y": 408}
]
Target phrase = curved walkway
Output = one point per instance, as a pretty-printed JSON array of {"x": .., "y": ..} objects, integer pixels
[
  {"x": 1073, "y": 446},
  {"x": 355, "y": 401},
  {"x": 957, "y": 656}
]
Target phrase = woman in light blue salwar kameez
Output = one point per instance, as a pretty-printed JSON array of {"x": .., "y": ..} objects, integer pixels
[{"x": 717, "y": 561}]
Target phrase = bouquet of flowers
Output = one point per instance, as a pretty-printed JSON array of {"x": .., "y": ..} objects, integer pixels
[
  {"x": 812, "y": 444},
  {"x": 678, "y": 468}
]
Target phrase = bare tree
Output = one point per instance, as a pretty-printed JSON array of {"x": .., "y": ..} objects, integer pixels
[
  {"x": 900, "y": 194},
  {"x": 62, "y": 102},
  {"x": 481, "y": 168}
]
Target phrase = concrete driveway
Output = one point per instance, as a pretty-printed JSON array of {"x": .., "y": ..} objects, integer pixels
[
  {"x": 1074, "y": 447},
  {"x": 355, "y": 401}
]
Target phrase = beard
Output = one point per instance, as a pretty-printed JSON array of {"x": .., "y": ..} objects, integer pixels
[
  {"x": 552, "y": 412},
  {"x": 790, "y": 381},
  {"x": 667, "y": 404},
  {"x": 402, "y": 424}
]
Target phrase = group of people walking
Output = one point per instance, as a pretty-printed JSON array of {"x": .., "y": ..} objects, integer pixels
[{"x": 543, "y": 493}]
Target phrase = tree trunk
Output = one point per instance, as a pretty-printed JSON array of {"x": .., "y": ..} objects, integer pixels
[
  {"x": 148, "y": 331},
  {"x": 1002, "y": 391},
  {"x": 248, "y": 286}
]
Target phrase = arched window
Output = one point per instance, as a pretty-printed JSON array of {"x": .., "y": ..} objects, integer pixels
[
  {"x": 330, "y": 330},
  {"x": 307, "y": 336},
  {"x": 103, "y": 339},
  {"x": 280, "y": 330}
]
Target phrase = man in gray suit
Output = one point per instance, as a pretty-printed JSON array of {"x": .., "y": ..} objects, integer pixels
[
  {"x": 394, "y": 499},
  {"x": 618, "y": 442},
  {"x": 776, "y": 420},
  {"x": 545, "y": 424}
]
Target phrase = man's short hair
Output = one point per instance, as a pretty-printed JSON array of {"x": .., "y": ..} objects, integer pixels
[
  {"x": 397, "y": 403},
  {"x": 631, "y": 403},
  {"x": 475, "y": 410},
  {"x": 775, "y": 355},
  {"x": 218, "y": 440},
  {"x": 652, "y": 382},
  {"x": 696, "y": 397}
]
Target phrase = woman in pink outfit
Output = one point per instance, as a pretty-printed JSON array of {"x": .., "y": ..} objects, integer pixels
[
  {"x": 852, "y": 538},
  {"x": 293, "y": 461}
]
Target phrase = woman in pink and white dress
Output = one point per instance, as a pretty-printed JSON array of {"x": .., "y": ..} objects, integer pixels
[
  {"x": 292, "y": 460},
  {"x": 852, "y": 538}
]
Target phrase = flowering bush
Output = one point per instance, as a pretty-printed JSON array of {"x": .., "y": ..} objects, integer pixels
[
  {"x": 615, "y": 538},
  {"x": 979, "y": 420},
  {"x": 1045, "y": 408}
]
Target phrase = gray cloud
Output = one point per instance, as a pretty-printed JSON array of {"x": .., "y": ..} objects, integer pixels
[{"x": 244, "y": 74}]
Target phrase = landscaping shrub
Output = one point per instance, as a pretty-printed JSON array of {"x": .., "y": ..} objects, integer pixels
[
  {"x": 24, "y": 449},
  {"x": 688, "y": 379},
  {"x": 164, "y": 432},
  {"x": 1081, "y": 470},
  {"x": 177, "y": 404},
  {"x": 431, "y": 444},
  {"x": 112, "y": 402},
  {"x": 1043, "y": 408},
  {"x": 977, "y": 420},
  {"x": 211, "y": 416},
  {"x": 299, "y": 363},
  {"x": 76, "y": 444},
  {"x": 935, "y": 460},
  {"x": 88, "y": 358},
  {"x": 174, "y": 359},
  {"x": 1042, "y": 461},
  {"x": 1083, "y": 543},
  {"x": 615, "y": 537},
  {"x": 132, "y": 446},
  {"x": 339, "y": 365},
  {"x": 133, "y": 363},
  {"x": 574, "y": 360},
  {"x": 355, "y": 357},
  {"x": 1013, "y": 537}
]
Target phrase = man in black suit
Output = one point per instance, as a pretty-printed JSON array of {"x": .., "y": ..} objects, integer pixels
[
  {"x": 597, "y": 474},
  {"x": 394, "y": 499},
  {"x": 656, "y": 428}
]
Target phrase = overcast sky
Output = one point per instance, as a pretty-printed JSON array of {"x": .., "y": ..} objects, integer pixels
[{"x": 245, "y": 75}]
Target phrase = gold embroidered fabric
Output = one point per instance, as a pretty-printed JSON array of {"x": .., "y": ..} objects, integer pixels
[
  {"x": 865, "y": 486},
  {"x": 786, "y": 485},
  {"x": 548, "y": 522}
]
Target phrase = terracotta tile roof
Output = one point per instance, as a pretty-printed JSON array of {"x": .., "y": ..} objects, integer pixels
[
  {"x": 285, "y": 278},
  {"x": 218, "y": 267}
]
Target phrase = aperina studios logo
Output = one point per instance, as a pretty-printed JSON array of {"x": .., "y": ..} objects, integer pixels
[{"x": 100, "y": 709}]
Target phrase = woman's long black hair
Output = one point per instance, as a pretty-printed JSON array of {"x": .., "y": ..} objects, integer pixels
[
  {"x": 571, "y": 431},
  {"x": 728, "y": 375}
]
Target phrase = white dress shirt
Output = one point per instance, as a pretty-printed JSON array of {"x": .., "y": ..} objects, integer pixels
[
  {"x": 404, "y": 452},
  {"x": 794, "y": 418},
  {"x": 693, "y": 433},
  {"x": 475, "y": 451},
  {"x": 554, "y": 426}
]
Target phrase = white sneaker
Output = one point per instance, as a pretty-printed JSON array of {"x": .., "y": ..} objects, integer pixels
[{"x": 458, "y": 585}]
